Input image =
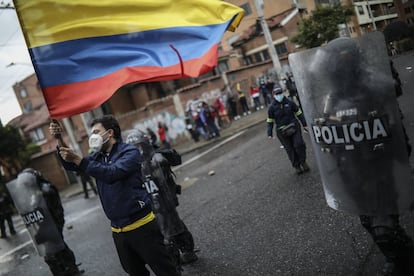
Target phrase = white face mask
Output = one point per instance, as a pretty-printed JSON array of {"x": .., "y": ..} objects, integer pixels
[
  {"x": 96, "y": 141},
  {"x": 278, "y": 97}
]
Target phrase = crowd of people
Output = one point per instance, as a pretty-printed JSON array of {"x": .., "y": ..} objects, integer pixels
[{"x": 204, "y": 120}]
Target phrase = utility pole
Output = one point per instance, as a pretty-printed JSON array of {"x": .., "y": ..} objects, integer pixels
[{"x": 272, "y": 51}]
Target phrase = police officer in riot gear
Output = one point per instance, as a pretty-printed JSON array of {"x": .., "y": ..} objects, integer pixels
[
  {"x": 160, "y": 184},
  {"x": 348, "y": 94},
  {"x": 61, "y": 263},
  {"x": 284, "y": 113}
]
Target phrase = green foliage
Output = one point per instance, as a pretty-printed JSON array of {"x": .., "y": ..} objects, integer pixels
[
  {"x": 11, "y": 142},
  {"x": 14, "y": 153},
  {"x": 32, "y": 149},
  {"x": 322, "y": 25}
]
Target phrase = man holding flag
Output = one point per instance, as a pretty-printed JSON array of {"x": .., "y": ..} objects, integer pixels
[{"x": 82, "y": 52}]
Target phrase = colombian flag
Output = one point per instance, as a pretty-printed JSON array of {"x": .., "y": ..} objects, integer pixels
[{"x": 84, "y": 50}]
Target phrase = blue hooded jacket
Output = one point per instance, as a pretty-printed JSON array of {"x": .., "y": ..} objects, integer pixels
[{"x": 119, "y": 181}]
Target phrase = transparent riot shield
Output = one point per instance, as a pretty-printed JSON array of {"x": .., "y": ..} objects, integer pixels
[
  {"x": 349, "y": 101},
  {"x": 31, "y": 205}
]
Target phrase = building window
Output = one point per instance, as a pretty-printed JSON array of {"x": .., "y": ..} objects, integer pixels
[
  {"x": 407, "y": 10},
  {"x": 28, "y": 106},
  {"x": 23, "y": 93},
  {"x": 37, "y": 135},
  {"x": 265, "y": 54},
  {"x": 281, "y": 49},
  {"x": 248, "y": 60},
  {"x": 258, "y": 57},
  {"x": 223, "y": 66},
  {"x": 247, "y": 9},
  {"x": 361, "y": 10}
]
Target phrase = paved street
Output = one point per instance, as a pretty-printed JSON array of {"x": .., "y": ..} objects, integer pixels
[{"x": 252, "y": 216}]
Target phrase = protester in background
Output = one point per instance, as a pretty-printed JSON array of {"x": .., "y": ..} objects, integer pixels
[
  {"x": 291, "y": 87},
  {"x": 284, "y": 114},
  {"x": 126, "y": 203},
  {"x": 207, "y": 117},
  {"x": 163, "y": 190},
  {"x": 153, "y": 137},
  {"x": 199, "y": 124},
  {"x": 62, "y": 263},
  {"x": 232, "y": 104},
  {"x": 264, "y": 92},
  {"x": 222, "y": 112},
  {"x": 190, "y": 128},
  {"x": 269, "y": 89},
  {"x": 6, "y": 213},
  {"x": 243, "y": 101},
  {"x": 86, "y": 179},
  {"x": 255, "y": 94},
  {"x": 162, "y": 133}
]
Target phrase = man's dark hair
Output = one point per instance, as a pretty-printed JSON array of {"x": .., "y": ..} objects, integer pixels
[{"x": 109, "y": 122}]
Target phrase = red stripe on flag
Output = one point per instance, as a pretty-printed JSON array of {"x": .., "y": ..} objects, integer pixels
[{"x": 74, "y": 98}]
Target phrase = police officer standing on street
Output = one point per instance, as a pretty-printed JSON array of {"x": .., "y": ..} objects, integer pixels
[
  {"x": 45, "y": 220},
  {"x": 163, "y": 190},
  {"x": 359, "y": 140},
  {"x": 284, "y": 113}
]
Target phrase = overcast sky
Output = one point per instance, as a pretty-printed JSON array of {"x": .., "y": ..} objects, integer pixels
[{"x": 12, "y": 49}]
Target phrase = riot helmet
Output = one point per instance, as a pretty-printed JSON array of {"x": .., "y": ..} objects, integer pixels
[
  {"x": 34, "y": 172},
  {"x": 141, "y": 140},
  {"x": 38, "y": 175}
]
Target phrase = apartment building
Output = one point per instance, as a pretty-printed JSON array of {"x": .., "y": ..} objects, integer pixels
[
  {"x": 405, "y": 10},
  {"x": 375, "y": 14}
]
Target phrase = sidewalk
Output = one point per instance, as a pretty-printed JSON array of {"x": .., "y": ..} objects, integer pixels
[
  {"x": 254, "y": 118},
  {"x": 189, "y": 145}
]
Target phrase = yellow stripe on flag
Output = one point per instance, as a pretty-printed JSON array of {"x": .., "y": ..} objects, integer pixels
[{"x": 50, "y": 21}]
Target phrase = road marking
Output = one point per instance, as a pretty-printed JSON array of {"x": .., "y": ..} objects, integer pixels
[
  {"x": 209, "y": 150},
  {"x": 82, "y": 214},
  {"x": 70, "y": 219},
  {"x": 15, "y": 249}
]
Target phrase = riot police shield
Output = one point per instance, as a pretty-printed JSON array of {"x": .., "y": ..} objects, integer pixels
[
  {"x": 348, "y": 97},
  {"x": 162, "y": 191},
  {"x": 31, "y": 205}
]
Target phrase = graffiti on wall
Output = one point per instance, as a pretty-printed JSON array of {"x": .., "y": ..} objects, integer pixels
[
  {"x": 208, "y": 97},
  {"x": 175, "y": 124}
]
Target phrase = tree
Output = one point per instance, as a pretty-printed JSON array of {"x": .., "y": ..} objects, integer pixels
[
  {"x": 322, "y": 25},
  {"x": 14, "y": 151}
]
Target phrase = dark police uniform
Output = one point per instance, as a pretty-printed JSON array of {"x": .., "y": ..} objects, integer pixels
[
  {"x": 282, "y": 114},
  {"x": 62, "y": 263}
]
